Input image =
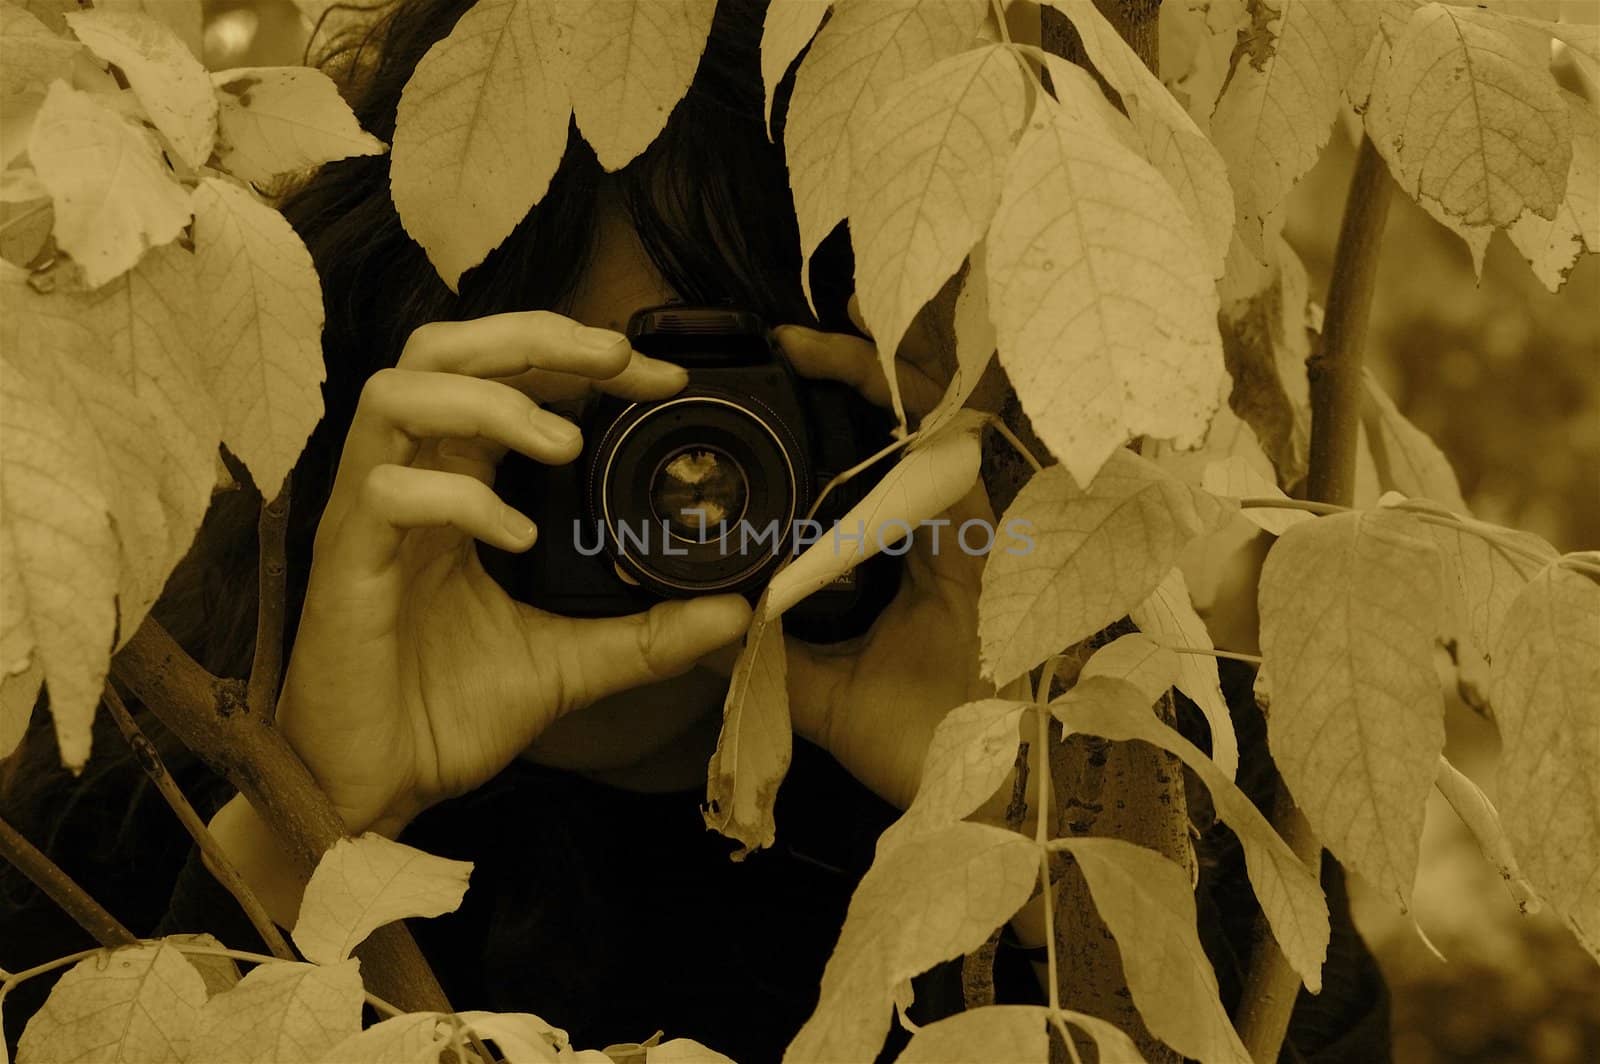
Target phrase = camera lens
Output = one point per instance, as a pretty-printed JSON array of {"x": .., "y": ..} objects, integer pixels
[{"x": 698, "y": 490}]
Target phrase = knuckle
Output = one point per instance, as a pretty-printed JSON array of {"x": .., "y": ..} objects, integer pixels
[
  {"x": 425, "y": 340},
  {"x": 383, "y": 486},
  {"x": 382, "y": 391}
]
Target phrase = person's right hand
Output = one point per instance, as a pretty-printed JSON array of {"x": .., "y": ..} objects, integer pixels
[{"x": 414, "y": 676}]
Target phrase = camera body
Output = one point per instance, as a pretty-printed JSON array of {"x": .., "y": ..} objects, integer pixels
[{"x": 704, "y": 492}]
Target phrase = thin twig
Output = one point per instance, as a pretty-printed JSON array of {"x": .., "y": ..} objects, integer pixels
[
  {"x": 1042, "y": 833},
  {"x": 1337, "y": 392},
  {"x": 1231, "y": 655},
  {"x": 267, "y": 669},
  {"x": 61, "y": 889},
  {"x": 221, "y": 867},
  {"x": 1011, "y": 437}
]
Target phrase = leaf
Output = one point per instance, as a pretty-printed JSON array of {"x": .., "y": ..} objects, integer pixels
[
  {"x": 684, "y": 1051},
  {"x": 275, "y": 120},
  {"x": 217, "y": 972},
  {"x": 756, "y": 741},
  {"x": 136, "y": 1005},
  {"x": 183, "y": 17},
  {"x": 522, "y": 1037},
  {"x": 975, "y": 343},
  {"x": 1112, "y": 1042},
  {"x": 261, "y": 310},
  {"x": 1171, "y": 140},
  {"x": 1481, "y": 818},
  {"x": 1146, "y": 903},
  {"x": 412, "y": 1038},
  {"x": 1101, "y": 296},
  {"x": 1100, "y": 551},
  {"x": 34, "y": 56},
  {"x": 282, "y": 1011},
  {"x": 1408, "y": 461},
  {"x": 480, "y": 130},
  {"x": 1545, "y": 687},
  {"x": 866, "y": 48},
  {"x": 1018, "y": 1034},
  {"x": 1289, "y": 892},
  {"x": 1350, "y": 605},
  {"x": 973, "y": 751},
  {"x": 788, "y": 28},
  {"x": 1552, "y": 247},
  {"x": 1489, "y": 567},
  {"x": 926, "y": 175},
  {"x": 1469, "y": 118},
  {"x": 112, "y": 194},
  {"x": 1137, "y": 661},
  {"x": 1236, "y": 478},
  {"x": 363, "y": 883},
  {"x": 629, "y": 62},
  {"x": 1265, "y": 345},
  {"x": 923, "y": 484},
  {"x": 1275, "y": 114},
  {"x": 163, "y": 73},
  {"x": 1169, "y": 617},
  {"x": 19, "y": 695},
  {"x": 931, "y": 899}
]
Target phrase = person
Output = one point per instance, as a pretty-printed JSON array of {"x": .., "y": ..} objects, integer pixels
[{"x": 566, "y": 758}]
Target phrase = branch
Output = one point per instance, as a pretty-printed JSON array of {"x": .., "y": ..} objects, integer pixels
[
  {"x": 1336, "y": 397},
  {"x": 212, "y": 717},
  {"x": 267, "y": 668},
  {"x": 150, "y": 760},
  {"x": 73, "y": 899}
]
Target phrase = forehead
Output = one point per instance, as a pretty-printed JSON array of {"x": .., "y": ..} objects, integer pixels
[{"x": 620, "y": 278}]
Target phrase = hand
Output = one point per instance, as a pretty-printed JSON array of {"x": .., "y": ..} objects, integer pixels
[
  {"x": 414, "y": 676},
  {"x": 875, "y": 701}
]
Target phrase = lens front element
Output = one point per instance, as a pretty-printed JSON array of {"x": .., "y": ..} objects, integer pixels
[{"x": 698, "y": 490}]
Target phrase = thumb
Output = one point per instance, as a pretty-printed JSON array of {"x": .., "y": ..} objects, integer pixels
[{"x": 613, "y": 654}]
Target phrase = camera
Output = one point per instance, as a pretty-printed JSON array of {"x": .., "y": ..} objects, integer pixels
[{"x": 705, "y": 492}]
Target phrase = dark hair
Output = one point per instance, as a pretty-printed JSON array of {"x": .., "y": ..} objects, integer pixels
[{"x": 709, "y": 200}]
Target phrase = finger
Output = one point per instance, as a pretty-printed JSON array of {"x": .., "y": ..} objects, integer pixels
[
  {"x": 643, "y": 379},
  {"x": 400, "y": 408},
  {"x": 615, "y": 654},
  {"x": 395, "y": 499},
  {"x": 503, "y": 344},
  {"x": 854, "y": 361}
]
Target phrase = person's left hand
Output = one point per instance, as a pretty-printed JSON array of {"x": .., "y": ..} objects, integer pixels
[{"x": 874, "y": 702}]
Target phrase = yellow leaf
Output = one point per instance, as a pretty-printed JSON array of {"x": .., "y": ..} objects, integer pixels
[
  {"x": 112, "y": 193},
  {"x": 1169, "y": 617},
  {"x": 136, "y": 1005},
  {"x": 363, "y": 883},
  {"x": 282, "y": 1011},
  {"x": 1407, "y": 460},
  {"x": 756, "y": 741},
  {"x": 629, "y": 62},
  {"x": 274, "y": 120},
  {"x": 480, "y": 130},
  {"x": 926, "y": 174},
  {"x": 164, "y": 74},
  {"x": 1170, "y": 139},
  {"x": 933, "y": 898},
  {"x": 1545, "y": 687},
  {"x": 1017, "y": 1034},
  {"x": 1235, "y": 477},
  {"x": 411, "y": 1038},
  {"x": 1552, "y": 247},
  {"x": 261, "y": 319},
  {"x": 34, "y": 56},
  {"x": 1137, "y": 661},
  {"x": 184, "y": 17},
  {"x": 1469, "y": 118},
  {"x": 789, "y": 27},
  {"x": 1350, "y": 607},
  {"x": 1101, "y": 296},
  {"x": 865, "y": 49},
  {"x": 922, "y": 485},
  {"x": 1147, "y": 904},
  {"x": 1481, "y": 818},
  {"x": 1289, "y": 893},
  {"x": 975, "y": 343},
  {"x": 1275, "y": 115},
  {"x": 1097, "y": 552}
]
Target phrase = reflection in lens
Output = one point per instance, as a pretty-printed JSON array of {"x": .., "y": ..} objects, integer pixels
[{"x": 696, "y": 490}]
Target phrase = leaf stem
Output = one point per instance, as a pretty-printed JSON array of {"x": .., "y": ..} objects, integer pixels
[
  {"x": 149, "y": 759},
  {"x": 1337, "y": 391},
  {"x": 62, "y": 889},
  {"x": 1042, "y": 828},
  {"x": 999, "y": 7},
  {"x": 1273, "y": 502},
  {"x": 1231, "y": 655},
  {"x": 1021, "y": 448},
  {"x": 266, "y": 671}
]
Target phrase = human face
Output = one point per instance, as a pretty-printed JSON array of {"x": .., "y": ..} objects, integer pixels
[{"x": 629, "y": 730}]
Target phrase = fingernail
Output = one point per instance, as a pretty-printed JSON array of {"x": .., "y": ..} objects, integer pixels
[
  {"x": 664, "y": 373},
  {"x": 557, "y": 430},
  {"x": 598, "y": 340},
  {"x": 520, "y": 527}
]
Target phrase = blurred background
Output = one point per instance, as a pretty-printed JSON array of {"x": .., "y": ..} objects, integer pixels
[{"x": 1505, "y": 377}]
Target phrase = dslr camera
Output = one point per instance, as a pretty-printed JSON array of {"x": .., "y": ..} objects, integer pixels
[{"x": 705, "y": 492}]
